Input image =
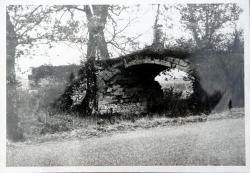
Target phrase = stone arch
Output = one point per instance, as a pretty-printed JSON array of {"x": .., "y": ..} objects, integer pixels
[
  {"x": 111, "y": 86},
  {"x": 122, "y": 85}
]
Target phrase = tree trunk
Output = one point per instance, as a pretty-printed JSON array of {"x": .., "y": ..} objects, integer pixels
[
  {"x": 13, "y": 131},
  {"x": 96, "y": 23},
  {"x": 91, "y": 49},
  {"x": 102, "y": 46}
]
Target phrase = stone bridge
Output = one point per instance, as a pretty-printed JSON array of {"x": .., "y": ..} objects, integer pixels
[{"x": 125, "y": 84}]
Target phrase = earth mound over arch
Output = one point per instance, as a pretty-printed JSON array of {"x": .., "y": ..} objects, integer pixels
[{"x": 122, "y": 85}]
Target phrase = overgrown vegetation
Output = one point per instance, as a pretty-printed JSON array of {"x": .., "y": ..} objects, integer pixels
[{"x": 172, "y": 104}]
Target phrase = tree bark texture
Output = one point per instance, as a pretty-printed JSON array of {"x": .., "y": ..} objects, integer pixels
[
  {"x": 13, "y": 131},
  {"x": 97, "y": 19}
]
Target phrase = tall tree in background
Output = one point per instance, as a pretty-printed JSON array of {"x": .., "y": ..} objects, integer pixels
[
  {"x": 97, "y": 19},
  {"x": 217, "y": 72},
  {"x": 99, "y": 38},
  {"x": 205, "y": 22},
  {"x": 158, "y": 42}
]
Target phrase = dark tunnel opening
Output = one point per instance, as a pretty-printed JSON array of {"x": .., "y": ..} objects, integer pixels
[
  {"x": 140, "y": 84},
  {"x": 151, "y": 94},
  {"x": 156, "y": 96}
]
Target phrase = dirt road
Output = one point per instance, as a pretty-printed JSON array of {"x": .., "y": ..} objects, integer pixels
[{"x": 219, "y": 142}]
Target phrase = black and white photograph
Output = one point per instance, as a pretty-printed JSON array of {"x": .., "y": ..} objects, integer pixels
[{"x": 152, "y": 83}]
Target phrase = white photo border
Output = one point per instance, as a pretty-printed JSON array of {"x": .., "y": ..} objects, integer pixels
[{"x": 3, "y": 168}]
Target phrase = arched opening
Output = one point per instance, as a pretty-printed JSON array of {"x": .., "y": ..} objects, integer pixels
[
  {"x": 145, "y": 89},
  {"x": 143, "y": 85}
]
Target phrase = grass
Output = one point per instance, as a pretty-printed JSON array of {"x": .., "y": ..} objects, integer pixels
[
  {"x": 61, "y": 127},
  {"x": 66, "y": 127}
]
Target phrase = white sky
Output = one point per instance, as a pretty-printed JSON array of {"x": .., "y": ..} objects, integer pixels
[{"x": 61, "y": 54}]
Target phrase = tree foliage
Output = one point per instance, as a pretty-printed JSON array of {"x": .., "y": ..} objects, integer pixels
[{"x": 206, "y": 21}]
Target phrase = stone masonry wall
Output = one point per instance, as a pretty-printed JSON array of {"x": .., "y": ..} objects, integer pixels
[
  {"x": 113, "y": 95},
  {"x": 118, "y": 91},
  {"x": 125, "y": 84}
]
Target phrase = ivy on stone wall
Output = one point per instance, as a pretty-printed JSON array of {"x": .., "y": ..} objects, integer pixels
[
  {"x": 80, "y": 95},
  {"x": 91, "y": 99}
]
